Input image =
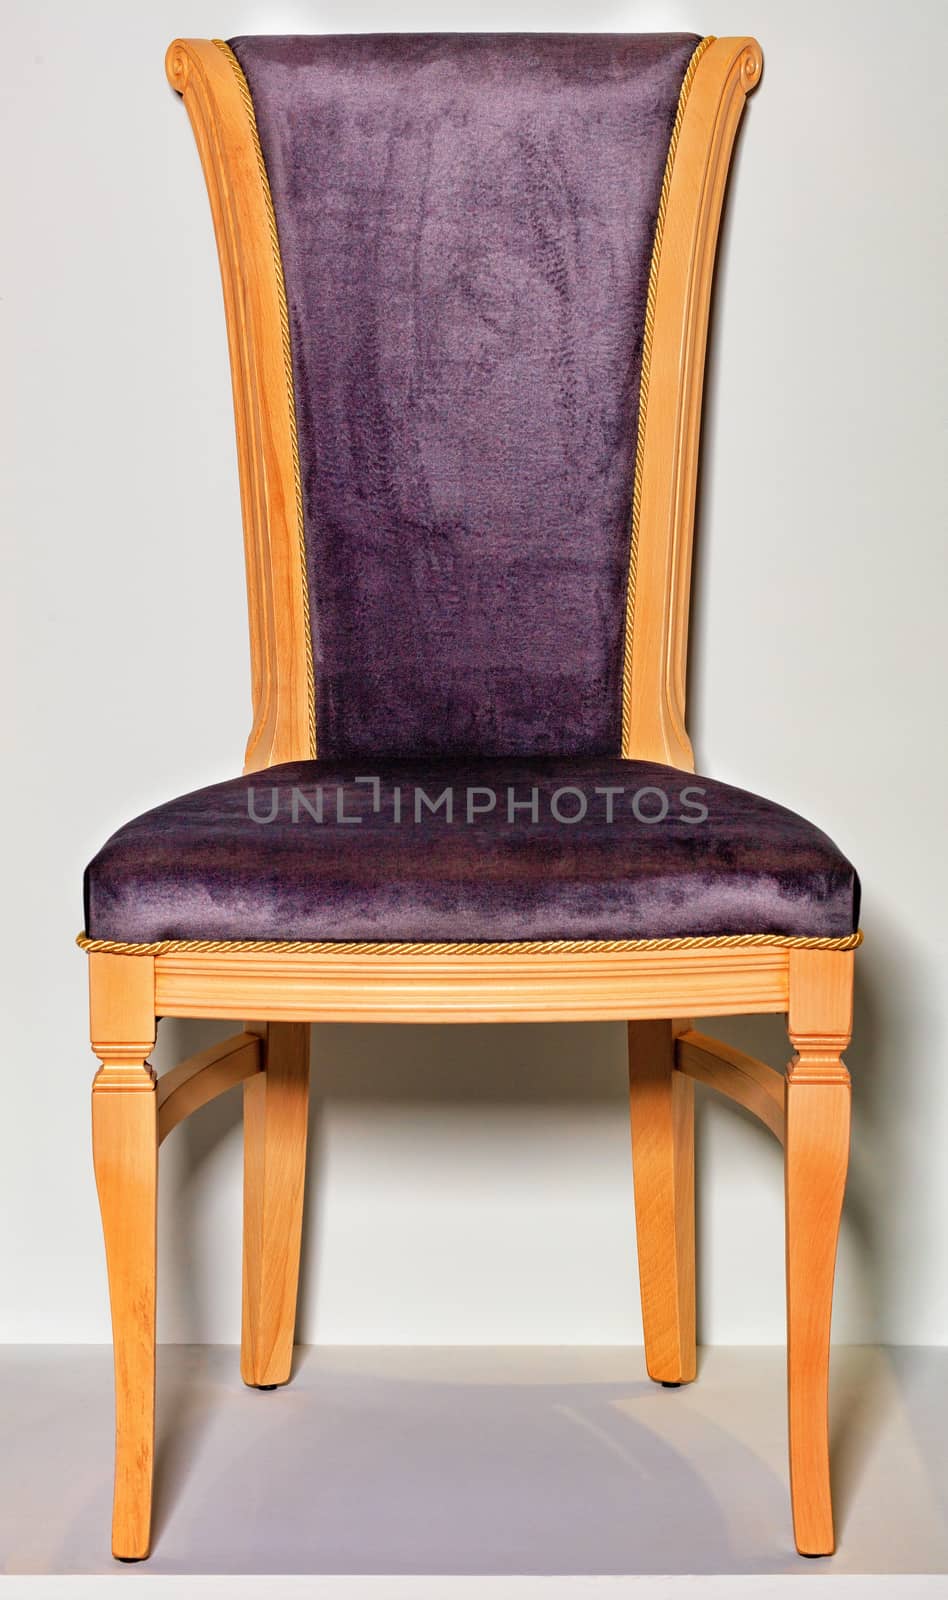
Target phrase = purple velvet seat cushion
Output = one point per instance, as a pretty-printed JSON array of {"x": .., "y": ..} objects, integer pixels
[
  {"x": 682, "y": 855},
  {"x": 466, "y": 226}
]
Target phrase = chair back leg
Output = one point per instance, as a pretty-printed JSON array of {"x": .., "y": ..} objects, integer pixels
[
  {"x": 817, "y": 1156},
  {"x": 663, "y": 1165},
  {"x": 276, "y": 1114}
]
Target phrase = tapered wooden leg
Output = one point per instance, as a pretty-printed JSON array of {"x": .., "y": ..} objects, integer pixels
[
  {"x": 663, "y": 1165},
  {"x": 817, "y": 1156},
  {"x": 125, "y": 1152},
  {"x": 276, "y": 1110}
]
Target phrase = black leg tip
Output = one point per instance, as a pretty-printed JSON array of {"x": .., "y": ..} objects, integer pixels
[
  {"x": 670, "y": 1385},
  {"x": 812, "y": 1555},
  {"x": 130, "y": 1560},
  {"x": 266, "y": 1386}
]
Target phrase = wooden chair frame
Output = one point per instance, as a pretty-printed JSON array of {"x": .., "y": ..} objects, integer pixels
[{"x": 651, "y": 985}]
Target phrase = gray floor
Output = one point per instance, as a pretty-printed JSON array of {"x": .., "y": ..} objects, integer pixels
[{"x": 474, "y": 1461}]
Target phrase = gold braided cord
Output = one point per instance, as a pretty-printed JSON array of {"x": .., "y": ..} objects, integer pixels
[
  {"x": 522, "y": 947},
  {"x": 648, "y": 332},
  {"x": 247, "y": 99}
]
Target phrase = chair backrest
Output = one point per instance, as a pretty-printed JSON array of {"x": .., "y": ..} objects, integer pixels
[{"x": 466, "y": 281}]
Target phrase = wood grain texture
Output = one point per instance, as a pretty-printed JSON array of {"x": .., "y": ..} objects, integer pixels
[
  {"x": 537, "y": 987},
  {"x": 661, "y": 1104},
  {"x": 756, "y": 1087},
  {"x": 654, "y": 691},
  {"x": 202, "y": 1077},
  {"x": 276, "y": 1114},
  {"x": 280, "y": 648},
  {"x": 125, "y": 1153},
  {"x": 121, "y": 1016},
  {"x": 817, "y": 1156}
]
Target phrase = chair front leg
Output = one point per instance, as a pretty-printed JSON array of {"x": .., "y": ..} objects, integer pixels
[
  {"x": 125, "y": 1153},
  {"x": 663, "y": 1166},
  {"x": 276, "y": 1115},
  {"x": 817, "y": 1156}
]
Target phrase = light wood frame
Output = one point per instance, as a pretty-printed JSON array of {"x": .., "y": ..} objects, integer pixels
[{"x": 651, "y": 988}]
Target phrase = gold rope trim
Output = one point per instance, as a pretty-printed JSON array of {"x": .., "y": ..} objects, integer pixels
[
  {"x": 643, "y": 388},
  {"x": 524, "y": 947},
  {"x": 247, "y": 99}
]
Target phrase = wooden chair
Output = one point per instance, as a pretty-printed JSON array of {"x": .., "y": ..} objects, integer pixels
[{"x": 466, "y": 282}]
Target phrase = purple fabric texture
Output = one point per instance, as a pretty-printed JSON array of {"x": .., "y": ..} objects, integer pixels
[
  {"x": 211, "y": 866},
  {"x": 466, "y": 225}
]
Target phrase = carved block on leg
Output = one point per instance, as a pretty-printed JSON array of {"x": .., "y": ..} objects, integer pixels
[
  {"x": 276, "y": 1113},
  {"x": 817, "y": 1156},
  {"x": 663, "y": 1161},
  {"x": 125, "y": 1152}
]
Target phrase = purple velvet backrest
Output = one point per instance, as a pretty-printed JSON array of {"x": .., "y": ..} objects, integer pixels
[{"x": 466, "y": 225}]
